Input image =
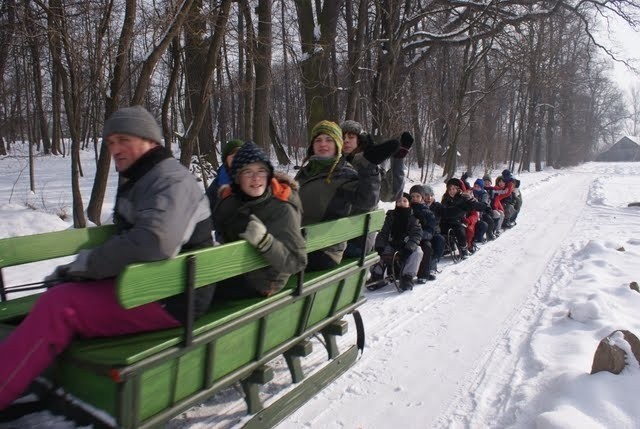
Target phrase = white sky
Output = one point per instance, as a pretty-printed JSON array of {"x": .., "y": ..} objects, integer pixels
[
  {"x": 626, "y": 42},
  {"x": 503, "y": 339}
]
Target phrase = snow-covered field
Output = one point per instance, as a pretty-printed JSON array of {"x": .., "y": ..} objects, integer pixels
[{"x": 503, "y": 339}]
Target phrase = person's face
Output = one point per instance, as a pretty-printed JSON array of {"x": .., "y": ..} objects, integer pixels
[
  {"x": 429, "y": 198},
  {"x": 476, "y": 187},
  {"x": 452, "y": 190},
  {"x": 487, "y": 183},
  {"x": 323, "y": 145},
  {"x": 127, "y": 149},
  {"x": 402, "y": 202},
  {"x": 252, "y": 179},
  {"x": 350, "y": 143},
  {"x": 230, "y": 157},
  {"x": 416, "y": 198},
  {"x": 499, "y": 182}
]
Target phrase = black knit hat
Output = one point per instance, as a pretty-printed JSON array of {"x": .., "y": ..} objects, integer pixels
[
  {"x": 247, "y": 154},
  {"x": 134, "y": 121},
  {"x": 455, "y": 182},
  {"x": 417, "y": 189}
]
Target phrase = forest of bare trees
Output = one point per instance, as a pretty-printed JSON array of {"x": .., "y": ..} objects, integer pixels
[{"x": 478, "y": 83}]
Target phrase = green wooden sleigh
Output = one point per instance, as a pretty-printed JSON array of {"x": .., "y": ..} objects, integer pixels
[{"x": 146, "y": 379}]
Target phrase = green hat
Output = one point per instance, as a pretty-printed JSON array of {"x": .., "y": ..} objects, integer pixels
[
  {"x": 229, "y": 147},
  {"x": 331, "y": 129}
]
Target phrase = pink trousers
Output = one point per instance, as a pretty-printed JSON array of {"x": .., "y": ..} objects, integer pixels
[{"x": 68, "y": 310}]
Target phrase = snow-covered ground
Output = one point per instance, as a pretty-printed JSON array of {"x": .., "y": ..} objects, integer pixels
[{"x": 505, "y": 338}]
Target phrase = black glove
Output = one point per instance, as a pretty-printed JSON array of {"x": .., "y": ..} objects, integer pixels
[
  {"x": 406, "y": 141},
  {"x": 364, "y": 141},
  {"x": 57, "y": 276},
  {"x": 63, "y": 274},
  {"x": 404, "y": 253},
  {"x": 377, "y": 153}
]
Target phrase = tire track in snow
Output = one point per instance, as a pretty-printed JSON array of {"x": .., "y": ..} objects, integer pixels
[
  {"x": 508, "y": 362},
  {"x": 461, "y": 318}
]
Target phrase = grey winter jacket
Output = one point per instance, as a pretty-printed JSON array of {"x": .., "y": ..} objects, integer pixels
[{"x": 160, "y": 210}]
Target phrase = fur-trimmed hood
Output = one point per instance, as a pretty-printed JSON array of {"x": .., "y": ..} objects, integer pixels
[
  {"x": 281, "y": 186},
  {"x": 286, "y": 179}
]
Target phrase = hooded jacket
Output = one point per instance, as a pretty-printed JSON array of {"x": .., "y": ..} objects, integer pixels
[
  {"x": 408, "y": 237},
  {"x": 279, "y": 209}
]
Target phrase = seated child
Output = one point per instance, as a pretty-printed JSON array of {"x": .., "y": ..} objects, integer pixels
[
  {"x": 428, "y": 223},
  {"x": 401, "y": 234}
]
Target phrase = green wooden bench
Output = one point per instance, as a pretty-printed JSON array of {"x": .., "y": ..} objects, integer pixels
[{"x": 146, "y": 379}]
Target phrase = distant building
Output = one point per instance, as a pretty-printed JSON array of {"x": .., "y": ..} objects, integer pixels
[{"x": 626, "y": 149}]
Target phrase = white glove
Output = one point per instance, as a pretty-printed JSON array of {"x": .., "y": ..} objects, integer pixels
[{"x": 256, "y": 234}]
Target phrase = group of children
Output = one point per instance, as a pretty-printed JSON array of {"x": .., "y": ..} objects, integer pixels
[{"x": 412, "y": 239}]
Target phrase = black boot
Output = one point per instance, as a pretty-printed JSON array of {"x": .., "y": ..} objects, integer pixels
[
  {"x": 406, "y": 283},
  {"x": 464, "y": 253}
]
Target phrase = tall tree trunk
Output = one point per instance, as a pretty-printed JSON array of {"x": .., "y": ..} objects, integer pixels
[
  {"x": 316, "y": 67},
  {"x": 167, "y": 129},
  {"x": 94, "y": 209},
  {"x": 194, "y": 51},
  {"x": 202, "y": 104},
  {"x": 262, "y": 98},
  {"x": 248, "y": 72},
  {"x": 40, "y": 118},
  {"x": 355, "y": 46}
]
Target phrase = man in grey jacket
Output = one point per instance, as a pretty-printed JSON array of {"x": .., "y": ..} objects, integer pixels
[{"x": 160, "y": 210}]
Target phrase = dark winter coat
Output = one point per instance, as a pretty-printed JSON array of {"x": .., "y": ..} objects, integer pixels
[
  {"x": 454, "y": 209},
  {"x": 391, "y": 180},
  {"x": 222, "y": 179},
  {"x": 409, "y": 237},
  {"x": 339, "y": 192},
  {"x": 279, "y": 208},
  {"x": 427, "y": 220},
  {"x": 436, "y": 208}
]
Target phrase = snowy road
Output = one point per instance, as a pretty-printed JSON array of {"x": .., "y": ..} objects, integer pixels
[{"x": 430, "y": 349}]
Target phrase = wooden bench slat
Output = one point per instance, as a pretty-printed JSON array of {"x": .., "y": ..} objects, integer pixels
[
  {"x": 142, "y": 283},
  {"x": 157, "y": 280},
  {"x": 39, "y": 247}
]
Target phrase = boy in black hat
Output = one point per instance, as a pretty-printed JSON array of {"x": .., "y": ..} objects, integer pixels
[{"x": 262, "y": 207}]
